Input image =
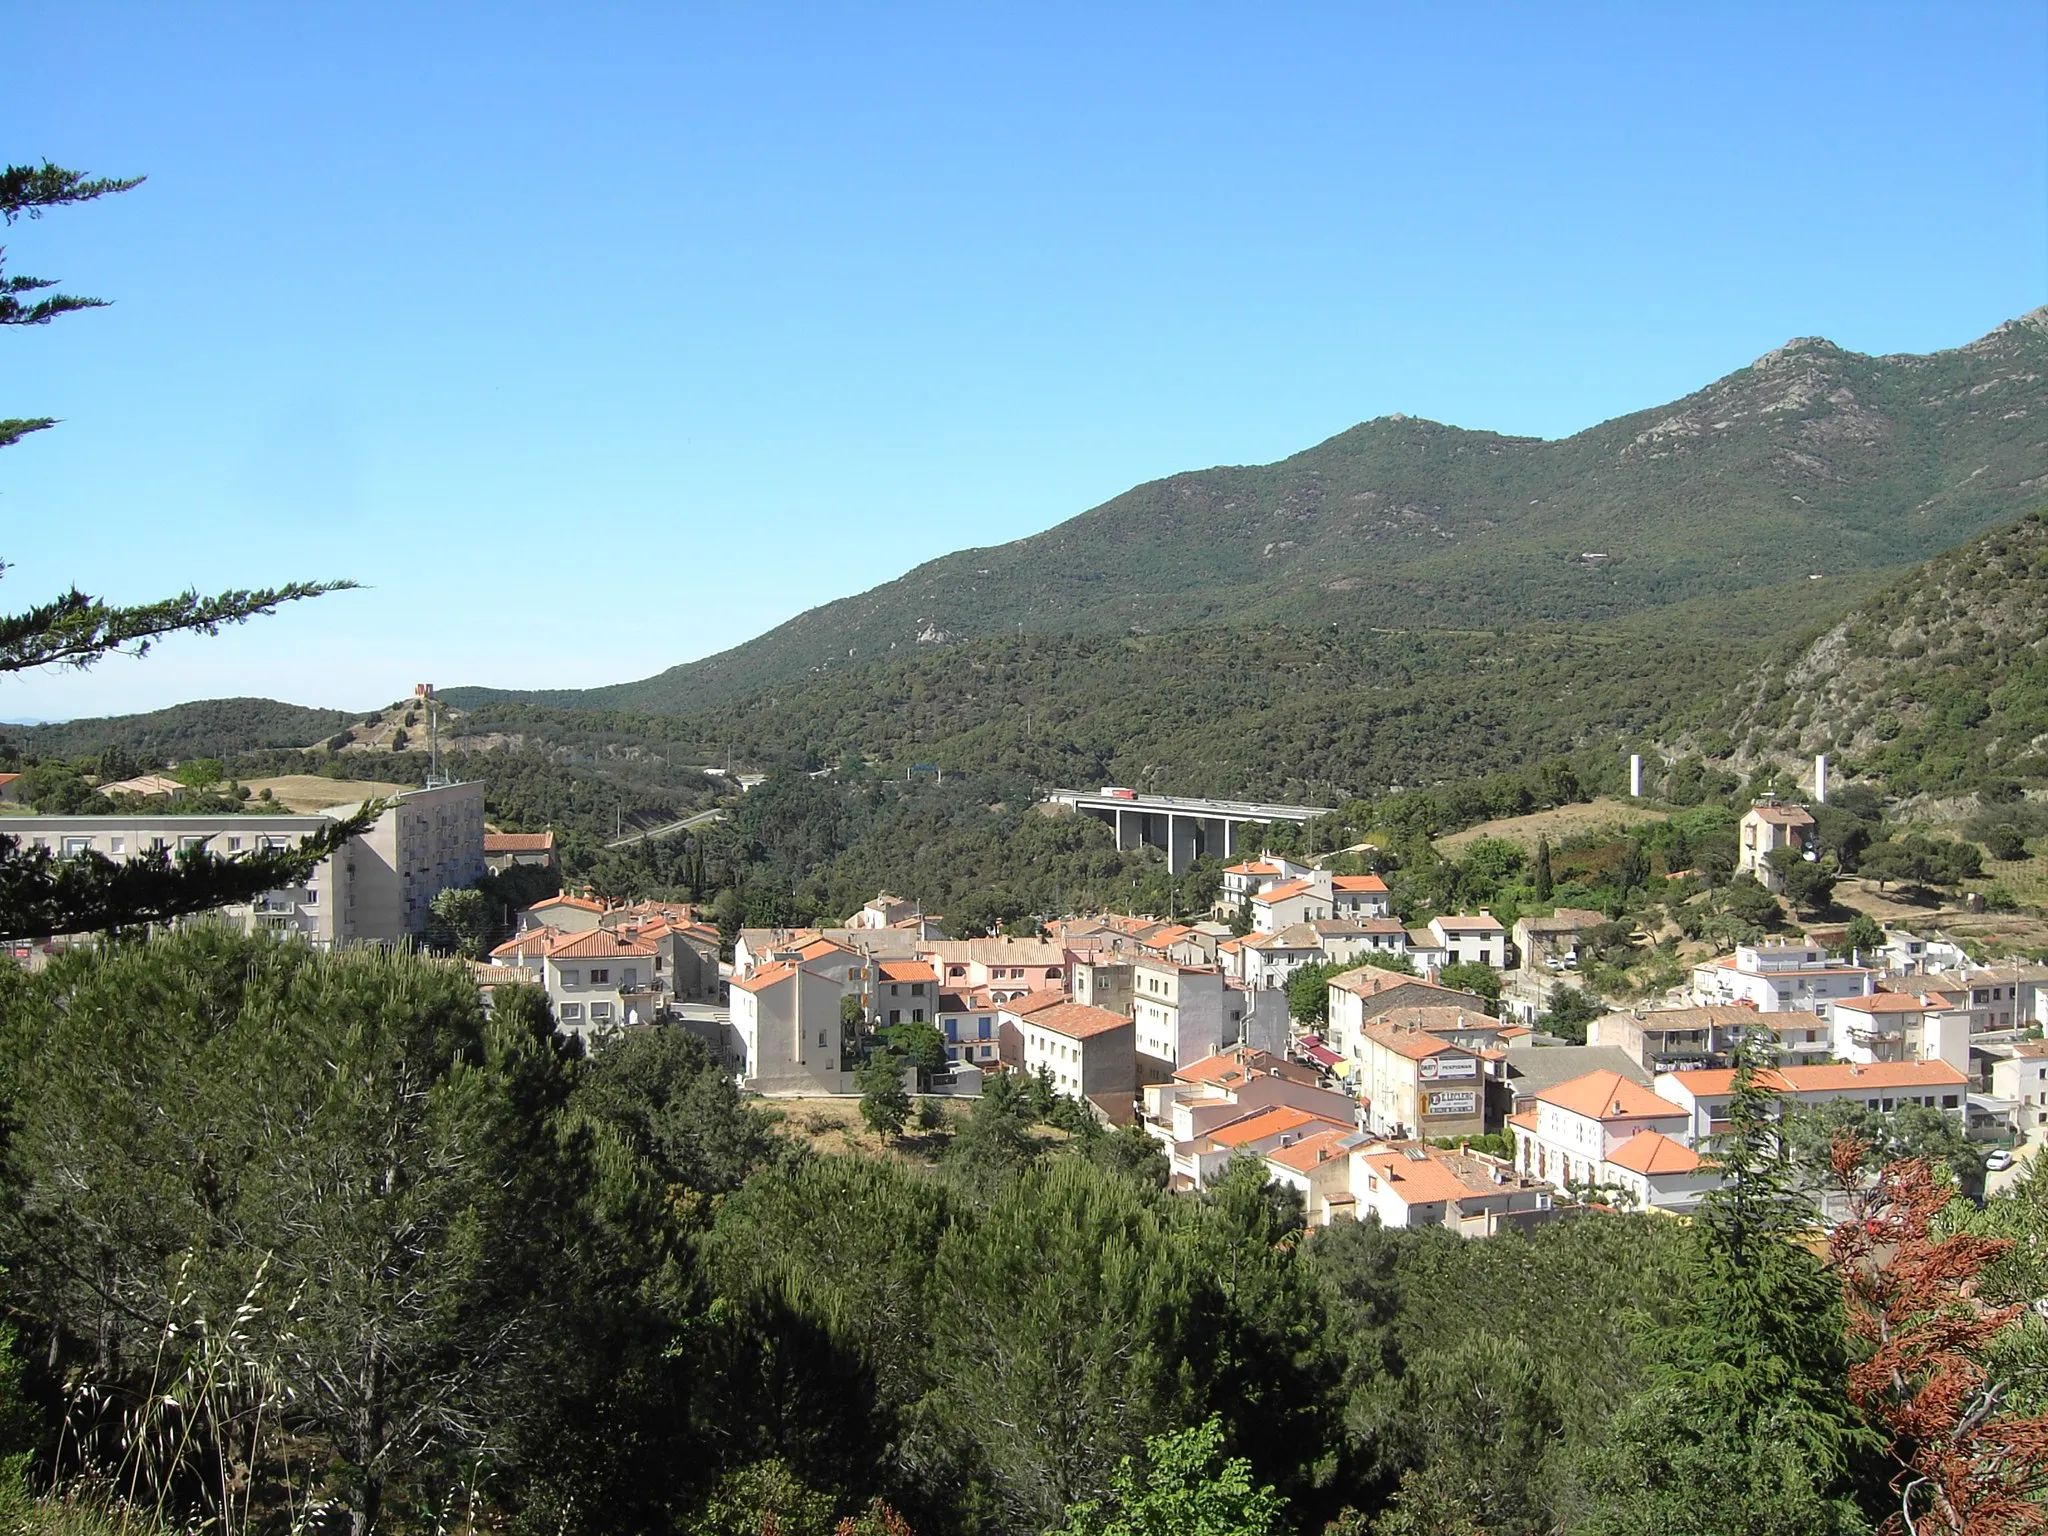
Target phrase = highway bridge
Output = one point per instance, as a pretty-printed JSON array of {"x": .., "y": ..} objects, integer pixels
[{"x": 1186, "y": 828}]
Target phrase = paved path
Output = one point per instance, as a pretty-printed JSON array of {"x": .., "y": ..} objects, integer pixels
[{"x": 684, "y": 825}]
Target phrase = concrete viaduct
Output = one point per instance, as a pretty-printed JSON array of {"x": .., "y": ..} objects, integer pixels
[{"x": 1186, "y": 829}]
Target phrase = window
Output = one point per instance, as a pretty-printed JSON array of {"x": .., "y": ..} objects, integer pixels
[
  {"x": 600, "y": 1011},
  {"x": 917, "y": 989},
  {"x": 983, "y": 1027},
  {"x": 118, "y": 843},
  {"x": 1948, "y": 1101},
  {"x": 571, "y": 978},
  {"x": 74, "y": 846},
  {"x": 917, "y": 1015},
  {"x": 272, "y": 844},
  {"x": 312, "y": 897},
  {"x": 600, "y": 976},
  {"x": 572, "y": 1013},
  {"x": 1052, "y": 973},
  {"x": 895, "y": 1015},
  {"x": 234, "y": 845},
  {"x": 629, "y": 977},
  {"x": 190, "y": 841},
  {"x": 821, "y": 1038}
]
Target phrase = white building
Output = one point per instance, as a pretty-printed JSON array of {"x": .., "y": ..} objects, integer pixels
[
  {"x": 1186, "y": 1012},
  {"x": 1471, "y": 938},
  {"x": 1879, "y": 1086},
  {"x": 377, "y": 890},
  {"x": 1578, "y": 1126},
  {"x": 1779, "y": 978},
  {"x": 1088, "y": 1053},
  {"x": 2021, "y": 1079},
  {"x": 788, "y": 1021},
  {"x": 1902, "y": 1026}
]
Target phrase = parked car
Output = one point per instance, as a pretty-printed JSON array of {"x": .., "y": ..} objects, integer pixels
[{"x": 1999, "y": 1160}]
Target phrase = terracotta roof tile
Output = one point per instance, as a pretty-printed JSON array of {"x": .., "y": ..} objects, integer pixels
[
  {"x": 1653, "y": 1152},
  {"x": 1609, "y": 1096},
  {"x": 1077, "y": 1021}
]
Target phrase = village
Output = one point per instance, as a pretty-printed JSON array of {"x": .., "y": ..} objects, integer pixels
[
  {"x": 1407, "y": 1099},
  {"x": 1400, "y": 1088}
]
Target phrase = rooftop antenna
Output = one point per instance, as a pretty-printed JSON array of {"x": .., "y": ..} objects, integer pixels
[{"x": 424, "y": 692}]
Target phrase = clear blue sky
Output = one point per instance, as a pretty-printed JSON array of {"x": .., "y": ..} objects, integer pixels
[{"x": 594, "y": 339}]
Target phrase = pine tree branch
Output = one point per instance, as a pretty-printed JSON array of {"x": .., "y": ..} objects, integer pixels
[
  {"x": 76, "y": 630},
  {"x": 43, "y": 894},
  {"x": 30, "y": 189},
  {"x": 14, "y": 428}
]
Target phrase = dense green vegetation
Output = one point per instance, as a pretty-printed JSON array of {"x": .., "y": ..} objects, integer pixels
[
  {"x": 287, "y": 1233},
  {"x": 1938, "y": 683},
  {"x": 203, "y": 728},
  {"x": 1853, "y": 462}
]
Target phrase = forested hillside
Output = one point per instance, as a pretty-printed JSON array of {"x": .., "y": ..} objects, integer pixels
[
  {"x": 1937, "y": 683},
  {"x": 203, "y": 728},
  {"x": 1811, "y": 460},
  {"x": 303, "y": 1241}
]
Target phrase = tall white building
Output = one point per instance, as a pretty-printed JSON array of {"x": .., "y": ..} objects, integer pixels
[{"x": 376, "y": 889}]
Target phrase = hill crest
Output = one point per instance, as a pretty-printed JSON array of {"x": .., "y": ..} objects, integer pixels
[{"x": 1810, "y": 459}]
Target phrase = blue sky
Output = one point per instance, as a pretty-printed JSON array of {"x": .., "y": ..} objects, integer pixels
[{"x": 595, "y": 345}]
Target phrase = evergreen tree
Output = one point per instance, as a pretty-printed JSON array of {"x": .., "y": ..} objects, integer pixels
[
  {"x": 41, "y": 894},
  {"x": 1544, "y": 885}
]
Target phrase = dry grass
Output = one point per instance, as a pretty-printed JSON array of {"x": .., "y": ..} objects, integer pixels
[
  {"x": 1557, "y": 824},
  {"x": 834, "y": 1125},
  {"x": 316, "y": 792}
]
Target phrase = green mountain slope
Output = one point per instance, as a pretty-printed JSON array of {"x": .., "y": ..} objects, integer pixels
[
  {"x": 1812, "y": 459},
  {"x": 203, "y": 728},
  {"x": 1937, "y": 683},
  {"x": 1269, "y": 711}
]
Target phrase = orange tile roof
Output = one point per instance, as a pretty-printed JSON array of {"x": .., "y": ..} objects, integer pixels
[
  {"x": 1417, "y": 1180},
  {"x": 580, "y": 903},
  {"x": 907, "y": 970},
  {"x": 1437, "y": 1019},
  {"x": 1032, "y": 1002},
  {"x": 1471, "y": 922},
  {"x": 1254, "y": 867},
  {"x": 518, "y": 842},
  {"x": 1824, "y": 1079},
  {"x": 1526, "y": 1120},
  {"x": 1415, "y": 1044},
  {"x": 1276, "y": 1121},
  {"x": 1370, "y": 883},
  {"x": 765, "y": 977},
  {"x": 1282, "y": 892},
  {"x": 1239, "y": 1064},
  {"x": 1783, "y": 815},
  {"x": 1077, "y": 1021},
  {"x": 1312, "y": 1151},
  {"x": 1608, "y": 1096},
  {"x": 1894, "y": 1002},
  {"x": 1653, "y": 1152},
  {"x": 534, "y": 943},
  {"x": 600, "y": 944}
]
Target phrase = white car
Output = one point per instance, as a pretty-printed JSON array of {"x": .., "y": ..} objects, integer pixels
[{"x": 1998, "y": 1161}]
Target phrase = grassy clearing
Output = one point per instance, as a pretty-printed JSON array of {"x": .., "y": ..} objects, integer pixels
[
  {"x": 316, "y": 792},
  {"x": 1557, "y": 824}
]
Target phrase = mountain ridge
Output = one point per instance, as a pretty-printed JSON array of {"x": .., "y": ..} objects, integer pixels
[{"x": 1854, "y": 461}]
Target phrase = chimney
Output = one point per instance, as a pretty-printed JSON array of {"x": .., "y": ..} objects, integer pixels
[
  {"x": 1635, "y": 775},
  {"x": 1820, "y": 778}
]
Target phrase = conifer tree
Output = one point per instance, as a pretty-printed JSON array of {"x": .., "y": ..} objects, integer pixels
[
  {"x": 1544, "y": 885},
  {"x": 41, "y": 894}
]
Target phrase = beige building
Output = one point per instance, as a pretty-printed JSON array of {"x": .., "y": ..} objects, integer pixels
[
  {"x": 375, "y": 891},
  {"x": 1420, "y": 1084},
  {"x": 1766, "y": 827}
]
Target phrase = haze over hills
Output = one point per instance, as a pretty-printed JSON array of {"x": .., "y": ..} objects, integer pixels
[{"x": 1812, "y": 460}]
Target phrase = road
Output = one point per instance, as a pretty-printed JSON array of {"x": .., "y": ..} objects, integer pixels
[{"x": 684, "y": 825}]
